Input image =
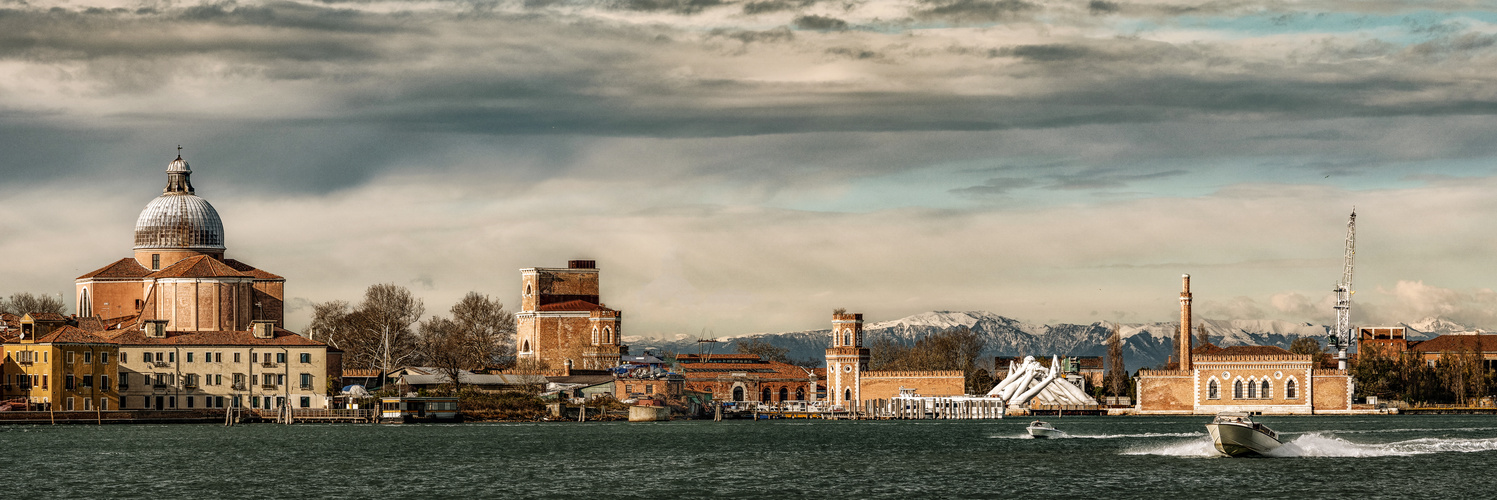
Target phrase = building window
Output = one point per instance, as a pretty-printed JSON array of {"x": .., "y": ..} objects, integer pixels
[
  {"x": 67, "y": 383},
  {"x": 122, "y": 357},
  {"x": 784, "y": 393},
  {"x": 88, "y": 357},
  {"x": 1289, "y": 390},
  {"x": 649, "y": 388},
  {"x": 236, "y": 357},
  {"x": 218, "y": 357},
  {"x": 69, "y": 358},
  {"x": 306, "y": 402},
  {"x": 306, "y": 381},
  {"x": 280, "y": 357},
  {"x": 70, "y": 401},
  {"x": 1237, "y": 390},
  {"x": 800, "y": 394},
  {"x": 88, "y": 381},
  {"x": 1213, "y": 390},
  {"x": 189, "y": 401},
  {"x": 1252, "y": 389},
  {"x": 104, "y": 358},
  {"x": 306, "y": 357},
  {"x": 104, "y": 382},
  {"x": 103, "y": 404},
  {"x": 170, "y": 356},
  {"x": 847, "y": 395},
  {"x": 155, "y": 261},
  {"x": 189, "y": 356},
  {"x": 1264, "y": 392},
  {"x": 144, "y": 357}
]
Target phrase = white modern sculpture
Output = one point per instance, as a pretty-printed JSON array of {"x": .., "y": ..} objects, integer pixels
[{"x": 1030, "y": 381}]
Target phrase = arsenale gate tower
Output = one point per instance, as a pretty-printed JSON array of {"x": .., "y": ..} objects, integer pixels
[
  {"x": 846, "y": 359},
  {"x": 562, "y": 323}
]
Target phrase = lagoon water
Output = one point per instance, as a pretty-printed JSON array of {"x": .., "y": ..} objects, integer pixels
[{"x": 1105, "y": 457}]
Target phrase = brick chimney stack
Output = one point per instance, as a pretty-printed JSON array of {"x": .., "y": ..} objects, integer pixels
[{"x": 1184, "y": 341}]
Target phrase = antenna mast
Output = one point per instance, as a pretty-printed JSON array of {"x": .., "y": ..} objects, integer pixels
[{"x": 1341, "y": 338}]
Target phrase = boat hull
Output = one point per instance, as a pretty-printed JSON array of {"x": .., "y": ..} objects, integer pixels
[
  {"x": 1241, "y": 441},
  {"x": 1044, "y": 432}
]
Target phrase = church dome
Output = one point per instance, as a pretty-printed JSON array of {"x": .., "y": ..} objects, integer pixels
[{"x": 178, "y": 218}]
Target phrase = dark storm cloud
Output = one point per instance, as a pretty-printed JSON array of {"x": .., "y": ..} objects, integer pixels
[
  {"x": 674, "y": 6},
  {"x": 770, "y": 6},
  {"x": 994, "y": 187},
  {"x": 1102, "y": 7},
  {"x": 1047, "y": 53},
  {"x": 973, "y": 10},
  {"x": 780, "y": 34},
  {"x": 1104, "y": 178},
  {"x": 820, "y": 23}
]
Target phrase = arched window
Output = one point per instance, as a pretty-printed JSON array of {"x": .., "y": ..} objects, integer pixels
[
  {"x": 764, "y": 395},
  {"x": 847, "y": 395},
  {"x": 1289, "y": 392},
  {"x": 738, "y": 394},
  {"x": 1264, "y": 393},
  {"x": 800, "y": 394},
  {"x": 525, "y": 346},
  {"x": 608, "y": 335},
  {"x": 1237, "y": 390},
  {"x": 784, "y": 394},
  {"x": 1213, "y": 391},
  {"x": 595, "y": 336},
  {"x": 85, "y": 306},
  {"x": 1252, "y": 389}
]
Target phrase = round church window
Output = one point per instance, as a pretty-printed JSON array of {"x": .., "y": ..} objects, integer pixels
[
  {"x": 847, "y": 368},
  {"x": 1278, "y": 375},
  {"x": 1226, "y": 375}
]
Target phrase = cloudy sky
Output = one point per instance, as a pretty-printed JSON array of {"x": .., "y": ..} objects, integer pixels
[{"x": 745, "y": 166}]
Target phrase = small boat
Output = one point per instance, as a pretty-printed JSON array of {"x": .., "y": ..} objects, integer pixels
[
  {"x": 1237, "y": 435},
  {"x": 1041, "y": 429}
]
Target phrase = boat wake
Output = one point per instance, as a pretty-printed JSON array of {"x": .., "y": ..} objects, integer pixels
[
  {"x": 1323, "y": 445},
  {"x": 1109, "y": 436},
  {"x": 1317, "y": 444}
]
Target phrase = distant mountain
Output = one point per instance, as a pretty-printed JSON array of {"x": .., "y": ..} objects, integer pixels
[
  {"x": 1145, "y": 345},
  {"x": 1433, "y": 326}
]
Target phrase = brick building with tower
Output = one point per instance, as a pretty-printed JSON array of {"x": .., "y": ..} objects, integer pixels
[
  {"x": 849, "y": 381},
  {"x": 562, "y": 324},
  {"x": 1265, "y": 379}
]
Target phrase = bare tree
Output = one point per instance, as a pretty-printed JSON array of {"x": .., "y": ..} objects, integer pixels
[
  {"x": 447, "y": 346},
  {"x": 764, "y": 349},
  {"x": 377, "y": 333},
  {"x": 24, "y": 302},
  {"x": 489, "y": 330},
  {"x": 1203, "y": 339}
]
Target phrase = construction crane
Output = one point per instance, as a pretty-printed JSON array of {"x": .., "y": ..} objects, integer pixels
[{"x": 1341, "y": 338}]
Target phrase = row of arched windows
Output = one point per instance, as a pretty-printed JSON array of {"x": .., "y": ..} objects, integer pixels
[
  {"x": 605, "y": 338},
  {"x": 1252, "y": 389}
]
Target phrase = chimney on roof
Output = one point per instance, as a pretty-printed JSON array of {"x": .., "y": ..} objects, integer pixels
[
  {"x": 582, "y": 264},
  {"x": 1185, "y": 299},
  {"x": 155, "y": 328},
  {"x": 262, "y": 328}
]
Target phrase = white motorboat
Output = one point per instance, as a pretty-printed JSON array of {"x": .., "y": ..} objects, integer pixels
[
  {"x": 1040, "y": 429},
  {"x": 1237, "y": 435}
]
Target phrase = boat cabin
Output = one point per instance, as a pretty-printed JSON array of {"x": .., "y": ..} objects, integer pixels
[{"x": 419, "y": 409}]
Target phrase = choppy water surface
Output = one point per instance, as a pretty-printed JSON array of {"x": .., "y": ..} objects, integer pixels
[{"x": 1117, "y": 457}]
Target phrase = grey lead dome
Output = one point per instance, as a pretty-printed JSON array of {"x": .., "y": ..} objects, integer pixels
[{"x": 178, "y": 218}]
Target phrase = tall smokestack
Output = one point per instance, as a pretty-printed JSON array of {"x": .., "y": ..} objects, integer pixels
[{"x": 1184, "y": 342}]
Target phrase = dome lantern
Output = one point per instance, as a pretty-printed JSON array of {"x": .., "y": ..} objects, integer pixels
[{"x": 179, "y": 219}]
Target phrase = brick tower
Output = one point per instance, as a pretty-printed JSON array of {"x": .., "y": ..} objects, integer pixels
[
  {"x": 1184, "y": 345},
  {"x": 562, "y": 323},
  {"x": 846, "y": 360}
]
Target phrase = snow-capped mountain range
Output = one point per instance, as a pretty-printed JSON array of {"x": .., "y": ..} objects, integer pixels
[{"x": 1144, "y": 345}]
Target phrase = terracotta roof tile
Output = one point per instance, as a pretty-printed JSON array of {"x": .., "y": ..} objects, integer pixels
[
  {"x": 198, "y": 266},
  {"x": 1451, "y": 343},
  {"x": 283, "y": 337},
  {"x": 123, "y": 268},
  {"x": 68, "y": 335},
  {"x": 694, "y": 368},
  {"x": 259, "y": 274},
  {"x": 45, "y": 317},
  {"x": 572, "y": 305}
]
